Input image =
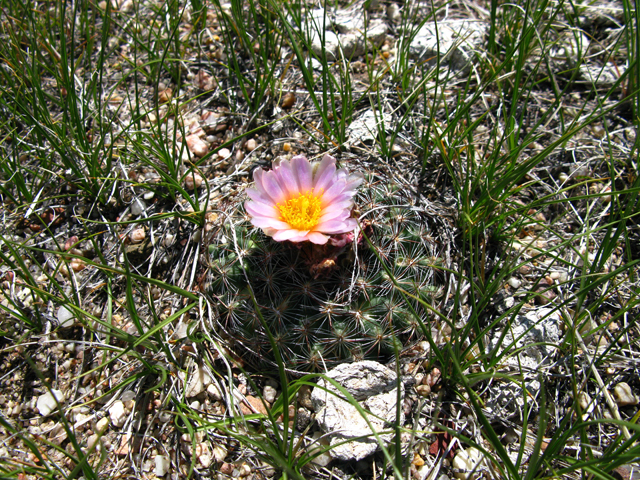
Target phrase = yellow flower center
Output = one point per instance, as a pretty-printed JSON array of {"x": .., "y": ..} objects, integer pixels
[{"x": 301, "y": 212}]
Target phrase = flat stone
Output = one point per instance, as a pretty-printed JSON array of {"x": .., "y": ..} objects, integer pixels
[
  {"x": 454, "y": 41},
  {"x": 371, "y": 384}
]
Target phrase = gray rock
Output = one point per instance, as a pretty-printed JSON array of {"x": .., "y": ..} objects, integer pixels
[
  {"x": 529, "y": 341},
  {"x": 454, "y": 41},
  {"x": 344, "y": 31},
  {"x": 600, "y": 76},
  {"x": 365, "y": 128},
  {"x": 374, "y": 386}
]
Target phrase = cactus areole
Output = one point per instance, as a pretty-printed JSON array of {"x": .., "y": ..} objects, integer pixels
[{"x": 302, "y": 201}]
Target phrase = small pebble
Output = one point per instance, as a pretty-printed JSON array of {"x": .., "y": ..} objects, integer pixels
[
  {"x": 514, "y": 282},
  {"x": 423, "y": 390},
  {"x": 118, "y": 414},
  {"x": 269, "y": 394},
  {"x": 165, "y": 95},
  {"x": 137, "y": 235},
  {"x": 624, "y": 395},
  {"x": 47, "y": 402},
  {"x": 192, "y": 181},
  {"x": 465, "y": 462},
  {"x": 196, "y": 145},
  {"x": 288, "y": 100},
  {"x": 102, "y": 424},
  {"x": 137, "y": 207},
  {"x": 69, "y": 244},
  {"x": 65, "y": 317},
  {"x": 224, "y": 153},
  {"x": 251, "y": 145}
]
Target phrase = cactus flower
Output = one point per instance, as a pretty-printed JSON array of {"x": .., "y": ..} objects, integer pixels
[{"x": 301, "y": 201}]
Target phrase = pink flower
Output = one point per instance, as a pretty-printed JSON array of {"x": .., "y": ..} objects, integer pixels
[{"x": 300, "y": 201}]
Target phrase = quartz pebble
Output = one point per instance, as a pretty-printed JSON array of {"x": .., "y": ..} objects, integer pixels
[
  {"x": 137, "y": 235},
  {"x": 65, "y": 317},
  {"x": 137, "y": 207},
  {"x": 224, "y": 153},
  {"x": 102, "y": 424},
  {"x": 624, "y": 395},
  {"x": 514, "y": 282},
  {"x": 118, "y": 414},
  {"x": 269, "y": 393},
  {"x": 47, "y": 402},
  {"x": 192, "y": 181},
  {"x": 250, "y": 145},
  {"x": 197, "y": 146},
  {"x": 466, "y": 463}
]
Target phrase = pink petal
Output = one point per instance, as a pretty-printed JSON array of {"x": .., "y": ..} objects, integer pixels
[
  {"x": 344, "y": 204},
  {"x": 336, "y": 226},
  {"x": 259, "y": 209},
  {"x": 303, "y": 173},
  {"x": 287, "y": 179},
  {"x": 259, "y": 178},
  {"x": 355, "y": 179},
  {"x": 317, "y": 238},
  {"x": 333, "y": 191},
  {"x": 272, "y": 187},
  {"x": 268, "y": 222},
  {"x": 341, "y": 214},
  {"x": 324, "y": 174},
  {"x": 288, "y": 234}
]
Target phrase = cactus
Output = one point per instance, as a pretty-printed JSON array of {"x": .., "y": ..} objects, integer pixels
[{"x": 325, "y": 304}]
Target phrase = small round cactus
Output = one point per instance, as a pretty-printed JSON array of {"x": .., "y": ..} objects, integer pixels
[{"x": 344, "y": 300}]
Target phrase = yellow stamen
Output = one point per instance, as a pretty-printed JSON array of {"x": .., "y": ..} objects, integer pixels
[{"x": 301, "y": 212}]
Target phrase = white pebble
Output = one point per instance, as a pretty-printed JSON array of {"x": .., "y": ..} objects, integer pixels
[
  {"x": 118, "y": 414},
  {"x": 47, "y": 402},
  {"x": 269, "y": 393},
  {"x": 624, "y": 395},
  {"x": 466, "y": 462},
  {"x": 251, "y": 145},
  {"x": 137, "y": 207},
  {"x": 514, "y": 282},
  {"x": 65, "y": 317},
  {"x": 224, "y": 153},
  {"x": 162, "y": 465}
]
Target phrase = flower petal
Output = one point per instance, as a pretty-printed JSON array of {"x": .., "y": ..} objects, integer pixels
[
  {"x": 332, "y": 226},
  {"x": 287, "y": 179},
  {"x": 272, "y": 187},
  {"x": 288, "y": 234},
  {"x": 336, "y": 189},
  {"x": 341, "y": 214},
  {"x": 259, "y": 209},
  {"x": 324, "y": 174},
  {"x": 259, "y": 178},
  {"x": 303, "y": 173},
  {"x": 344, "y": 204},
  {"x": 268, "y": 222},
  {"x": 317, "y": 238}
]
